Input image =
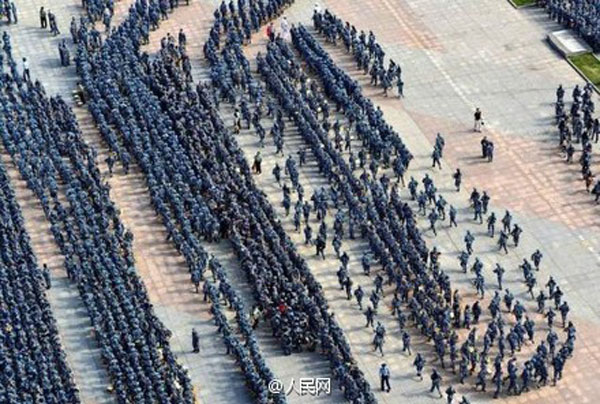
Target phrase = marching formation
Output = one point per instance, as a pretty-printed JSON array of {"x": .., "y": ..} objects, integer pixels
[
  {"x": 582, "y": 16},
  {"x": 398, "y": 269},
  {"x": 577, "y": 125},
  {"x": 368, "y": 54},
  {"x": 33, "y": 363},
  {"x": 157, "y": 120},
  {"x": 190, "y": 158},
  {"x": 44, "y": 141}
]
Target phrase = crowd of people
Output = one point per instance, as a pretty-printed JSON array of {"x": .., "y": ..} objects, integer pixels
[
  {"x": 577, "y": 126},
  {"x": 33, "y": 366},
  {"x": 149, "y": 112},
  {"x": 246, "y": 349},
  {"x": 233, "y": 82},
  {"x": 368, "y": 54},
  {"x": 8, "y": 9},
  {"x": 306, "y": 108},
  {"x": 44, "y": 141},
  {"x": 581, "y": 15},
  {"x": 395, "y": 242},
  {"x": 378, "y": 137}
]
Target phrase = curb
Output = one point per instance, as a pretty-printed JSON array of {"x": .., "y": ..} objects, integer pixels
[
  {"x": 565, "y": 57},
  {"x": 582, "y": 75},
  {"x": 512, "y": 3}
]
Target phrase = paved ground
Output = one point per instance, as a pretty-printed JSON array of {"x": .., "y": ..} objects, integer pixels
[{"x": 455, "y": 56}]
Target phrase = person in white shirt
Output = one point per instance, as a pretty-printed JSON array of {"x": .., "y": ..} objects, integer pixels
[
  {"x": 285, "y": 29},
  {"x": 26, "y": 75},
  {"x": 384, "y": 375}
]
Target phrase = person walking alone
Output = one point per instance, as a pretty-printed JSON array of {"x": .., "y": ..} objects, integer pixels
[
  {"x": 384, "y": 374},
  {"x": 26, "y": 73},
  {"x": 478, "y": 120},
  {"x": 43, "y": 18},
  {"x": 195, "y": 341}
]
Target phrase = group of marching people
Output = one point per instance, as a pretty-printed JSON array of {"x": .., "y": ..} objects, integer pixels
[
  {"x": 151, "y": 113},
  {"x": 577, "y": 126},
  {"x": 372, "y": 205},
  {"x": 41, "y": 135},
  {"x": 583, "y": 16},
  {"x": 33, "y": 363},
  {"x": 368, "y": 54}
]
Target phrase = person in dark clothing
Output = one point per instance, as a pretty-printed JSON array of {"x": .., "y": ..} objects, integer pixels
[
  {"x": 43, "y": 18},
  {"x": 195, "y": 341},
  {"x": 384, "y": 375}
]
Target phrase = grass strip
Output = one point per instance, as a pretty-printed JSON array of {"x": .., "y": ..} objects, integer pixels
[{"x": 589, "y": 65}]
